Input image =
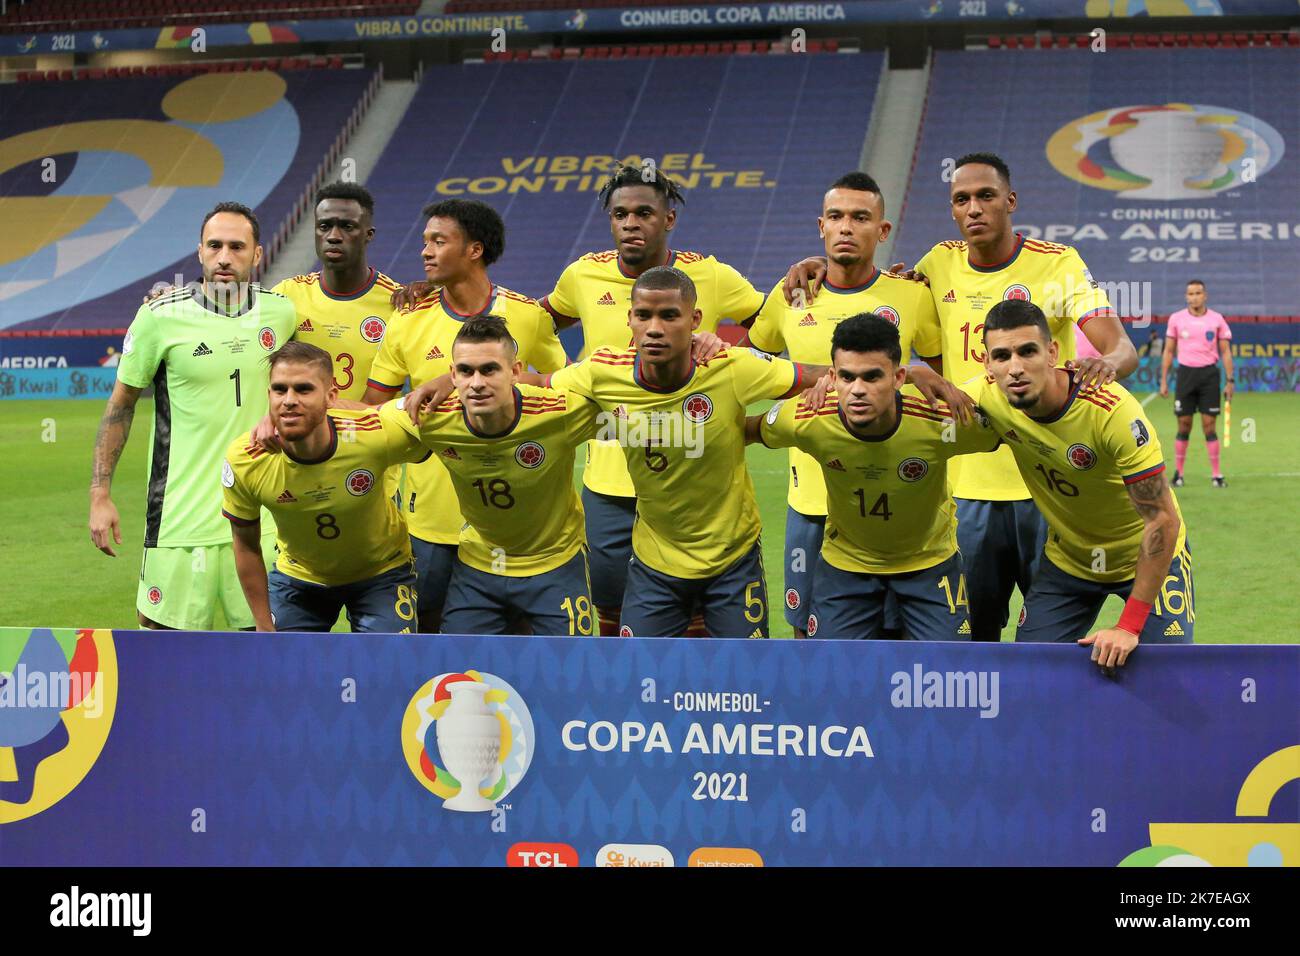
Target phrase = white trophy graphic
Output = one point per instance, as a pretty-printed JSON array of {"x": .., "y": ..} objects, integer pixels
[
  {"x": 1169, "y": 148},
  {"x": 469, "y": 739}
]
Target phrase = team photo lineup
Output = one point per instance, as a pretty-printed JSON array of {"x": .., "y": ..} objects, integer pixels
[
  {"x": 453, "y": 434},
  {"x": 957, "y": 429}
]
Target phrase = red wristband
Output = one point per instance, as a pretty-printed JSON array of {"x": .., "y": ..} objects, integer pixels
[{"x": 1134, "y": 617}]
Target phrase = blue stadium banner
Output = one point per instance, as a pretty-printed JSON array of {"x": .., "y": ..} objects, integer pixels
[
  {"x": 579, "y": 20},
  {"x": 20, "y": 383},
  {"x": 124, "y": 748}
]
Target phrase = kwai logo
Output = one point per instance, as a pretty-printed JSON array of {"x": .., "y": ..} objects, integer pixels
[
  {"x": 58, "y": 694},
  {"x": 482, "y": 732},
  {"x": 1169, "y": 152}
]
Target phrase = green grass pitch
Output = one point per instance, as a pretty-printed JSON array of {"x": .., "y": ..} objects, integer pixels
[{"x": 1244, "y": 539}]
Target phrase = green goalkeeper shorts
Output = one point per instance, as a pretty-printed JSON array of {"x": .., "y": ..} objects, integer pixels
[{"x": 181, "y": 588}]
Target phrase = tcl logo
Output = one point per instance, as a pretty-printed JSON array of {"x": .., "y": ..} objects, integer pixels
[{"x": 541, "y": 854}]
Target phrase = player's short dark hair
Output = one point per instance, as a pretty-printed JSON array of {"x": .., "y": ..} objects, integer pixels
[
  {"x": 303, "y": 353},
  {"x": 477, "y": 220},
  {"x": 354, "y": 191},
  {"x": 1016, "y": 314},
  {"x": 860, "y": 182},
  {"x": 239, "y": 209},
  {"x": 987, "y": 159},
  {"x": 664, "y": 278},
  {"x": 647, "y": 175},
  {"x": 1196, "y": 282},
  {"x": 486, "y": 328},
  {"x": 867, "y": 332}
]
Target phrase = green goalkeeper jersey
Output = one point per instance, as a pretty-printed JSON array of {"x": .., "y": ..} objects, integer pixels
[{"x": 210, "y": 377}]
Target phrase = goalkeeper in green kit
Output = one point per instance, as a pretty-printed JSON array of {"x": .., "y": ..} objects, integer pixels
[{"x": 204, "y": 352}]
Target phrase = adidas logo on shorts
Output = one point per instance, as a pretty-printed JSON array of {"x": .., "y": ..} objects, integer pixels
[
  {"x": 951, "y": 296},
  {"x": 434, "y": 353},
  {"x": 1174, "y": 630},
  {"x": 606, "y": 299},
  {"x": 202, "y": 349}
]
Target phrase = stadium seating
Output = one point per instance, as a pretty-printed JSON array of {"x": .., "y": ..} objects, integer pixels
[
  {"x": 45, "y": 15},
  {"x": 185, "y": 69},
  {"x": 795, "y": 122},
  {"x": 1141, "y": 41},
  {"x": 513, "y": 6},
  {"x": 634, "y": 50},
  {"x": 1157, "y": 239},
  {"x": 84, "y": 289}
]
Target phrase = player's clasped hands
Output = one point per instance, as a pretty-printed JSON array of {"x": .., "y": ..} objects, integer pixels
[{"x": 1111, "y": 646}]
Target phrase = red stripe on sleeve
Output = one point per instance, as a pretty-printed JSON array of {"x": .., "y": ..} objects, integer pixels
[{"x": 1153, "y": 470}]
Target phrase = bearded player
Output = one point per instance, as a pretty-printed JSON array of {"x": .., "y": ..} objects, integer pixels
[
  {"x": 1092, "y": 461},
  {"x": 203, "y": 351},
  {"x": 342, "y": 543}
]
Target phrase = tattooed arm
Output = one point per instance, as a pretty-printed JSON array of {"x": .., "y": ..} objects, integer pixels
[
  {"x": 114, "y": 429},
  {"x": 1151, "y": 499}
]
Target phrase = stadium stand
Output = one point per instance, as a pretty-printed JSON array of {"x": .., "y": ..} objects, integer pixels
[
  {"x": 42, "y": 15},
  {"x": 136, "y": 163},
  {"x": 1183, "y": 119},
  {"x": 771, "y": 132},
  {"x": 512, "y": 6},
  {"x": 208, "y": 65}
]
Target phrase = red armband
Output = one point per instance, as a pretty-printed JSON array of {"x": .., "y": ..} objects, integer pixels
[{"x": 1134, "y": 617}]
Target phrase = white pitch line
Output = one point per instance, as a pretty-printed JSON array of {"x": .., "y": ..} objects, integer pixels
[{"x": 1148, "y": 398}]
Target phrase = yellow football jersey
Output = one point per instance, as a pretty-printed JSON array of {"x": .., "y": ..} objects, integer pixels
[
  {"x": 418, "y": 346},
  {"x": 348, "y": 325},
  {"x": 685, "y": 450},
  {"x": 807, "y": 332},
  {"x": 523, "y": 515},
  {"x": 1050, "y": 275},
  {"x": 890, "y": 510},
  {"x": 334, "y": 523},
  {"x": 1076, "y": 466},
  {"x": 596, "y": 290}
]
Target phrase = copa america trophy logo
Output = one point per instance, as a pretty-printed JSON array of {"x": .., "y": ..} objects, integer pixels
[
  {"x": 1165, "y": 152},
  {"x": 469, "y": 739},
  {"x": 481, "y": 732}
]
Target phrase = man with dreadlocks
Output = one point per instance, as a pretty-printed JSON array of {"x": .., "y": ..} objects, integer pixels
[{"x": 596, "y": 290}]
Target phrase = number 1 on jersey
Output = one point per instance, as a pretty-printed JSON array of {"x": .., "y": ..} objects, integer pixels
[{"x": 234, "y": 377}]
